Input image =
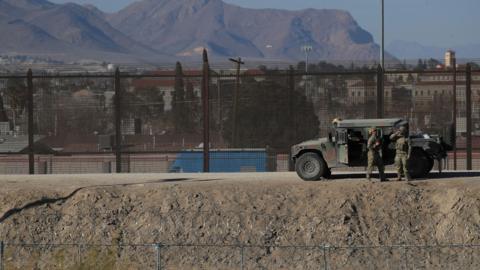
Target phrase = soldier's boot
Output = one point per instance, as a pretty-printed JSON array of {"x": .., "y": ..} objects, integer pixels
[
  {"x": 399, "y": 177},
  {"x": 382, "y": 177},
  {"x": 368, "y": 177},
  {"x": 407, "y": 177}
]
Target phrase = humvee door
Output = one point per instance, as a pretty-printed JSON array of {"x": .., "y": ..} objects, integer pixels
[
  {"x": 357, "y": 146},
  {"x": 342, "y": 146}
]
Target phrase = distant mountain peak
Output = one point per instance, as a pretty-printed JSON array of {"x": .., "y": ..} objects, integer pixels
[
  {"x": 94, "y": 10},
  {"x": 182, "y": 27},
  {"x": 175, "y": 29},
  {"x": 63, "y": 29}
]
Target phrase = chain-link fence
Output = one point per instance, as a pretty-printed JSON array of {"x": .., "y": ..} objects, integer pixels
[
  {"x": 49, "y": 238},
  {"x": 158, "y": 121},
  {"x": 163, "y": 256}
]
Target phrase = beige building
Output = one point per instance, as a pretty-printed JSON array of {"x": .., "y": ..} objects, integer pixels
[{"x": 449, "y": 59}]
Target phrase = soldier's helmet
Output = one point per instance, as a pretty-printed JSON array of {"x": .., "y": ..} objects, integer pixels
[
  {"x": 402, "y": 130},
  {"x": 371, "y": 130},
  {"x": 336, "y": 121}
]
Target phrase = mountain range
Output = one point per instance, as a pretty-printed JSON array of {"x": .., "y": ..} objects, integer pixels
[
  {"x": 67, "y": 32},
  {"x": 166, "y": 30}
]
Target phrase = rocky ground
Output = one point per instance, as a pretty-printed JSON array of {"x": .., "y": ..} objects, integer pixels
[{"x": 230, "y": 221}]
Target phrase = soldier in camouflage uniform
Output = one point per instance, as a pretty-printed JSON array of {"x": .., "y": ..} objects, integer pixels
[
  {"x": 374, "y": 146},
  {"x": 402, "y": 152}
]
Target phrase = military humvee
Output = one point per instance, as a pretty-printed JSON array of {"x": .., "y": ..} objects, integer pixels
[{"x": 346, "y": 146}]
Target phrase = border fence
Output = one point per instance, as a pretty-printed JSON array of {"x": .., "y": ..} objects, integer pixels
[
  {"x": 228, "y": 240},
  {"x": 158, "y": 121},
  {"x": 171, "y": 256}
]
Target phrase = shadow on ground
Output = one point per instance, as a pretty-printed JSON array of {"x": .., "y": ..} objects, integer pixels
[
  {"x": 431, "y": 176},
  {"x": 63, "y": 199}
]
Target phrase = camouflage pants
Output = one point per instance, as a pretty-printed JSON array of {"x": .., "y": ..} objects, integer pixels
[
  {"x": 401, "y": 162},
  {"x": 374, "y": 159}
]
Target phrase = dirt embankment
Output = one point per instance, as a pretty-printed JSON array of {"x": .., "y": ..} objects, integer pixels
[{"x": 271, "y": 216}]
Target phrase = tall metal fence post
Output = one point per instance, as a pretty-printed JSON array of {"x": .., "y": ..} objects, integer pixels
[
  {"x": 242, "y": 254},
  {"x": 238, "y": 63},
  {"x": 291, "y": 115},
  {"x": 206, "y": 112},
  {"x": 158, "y": 248},
  {"x": 468, "y": 93},
  {"x": 454, "y": 63},
  {"x": 79, "y": 254},
  {"x": 380, "y": 87},
  {"x": 31, "y": 131},
  {"x": 118, "y": 121},
  {"x": 2, "y": 247},
  {"x": 325, "y": 261}
]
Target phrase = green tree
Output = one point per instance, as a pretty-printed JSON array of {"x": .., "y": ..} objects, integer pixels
[
  {"x": 402, "y": 102},
  {"x": 475, "y": 66},
  {"x": 178, "y": 102},
  {"x": 17, "y": 94},
  {"x": 432, "y": 63},
  {"x": 404, "y": 65},
  {"x": 83, "y": 115},
  {"x": 421, "y": 65},
  {"x": 145, "y": 103},
  {"x": 44, "y": 102},
  {"x": 271, "y": 113},
  {"x": 440, "y": 111},
  {"x": 192, "y": 113},
  {"x": 3, "y": 113}
]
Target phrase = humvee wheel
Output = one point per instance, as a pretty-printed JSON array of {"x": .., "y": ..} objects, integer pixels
[
  {"x": 419, "y": 164},
  {"x": 310, "y": 167}
]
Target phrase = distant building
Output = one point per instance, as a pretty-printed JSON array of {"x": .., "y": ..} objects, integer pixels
[
  {"x": 131, "y": 126},
  {"x": 449, "y": 59},
  {"x": 19, "y": 144},
  {"x": 165, "y": 83},
  {"x": 3, "y": 84}
]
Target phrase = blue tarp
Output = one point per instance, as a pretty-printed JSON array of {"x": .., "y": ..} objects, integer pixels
[{"x": 221, "y": 161}]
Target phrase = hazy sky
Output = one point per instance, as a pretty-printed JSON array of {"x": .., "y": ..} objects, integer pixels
[{"x": 443, "y": 23}]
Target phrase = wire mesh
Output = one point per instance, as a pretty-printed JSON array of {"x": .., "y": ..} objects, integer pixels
[
  {"x": 255, "y": 116},
  {"x": 77, "y": 256}
]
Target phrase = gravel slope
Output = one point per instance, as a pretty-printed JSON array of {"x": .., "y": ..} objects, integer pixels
[{"x": 233, "y": 210}]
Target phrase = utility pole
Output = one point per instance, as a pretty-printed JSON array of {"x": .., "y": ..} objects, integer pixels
[
  {"x": 238, "y": 62},
  {"x": 381, "y": 70},
  {"x": 382, "y": 53},
  {"x": 306, "y": 49}
]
